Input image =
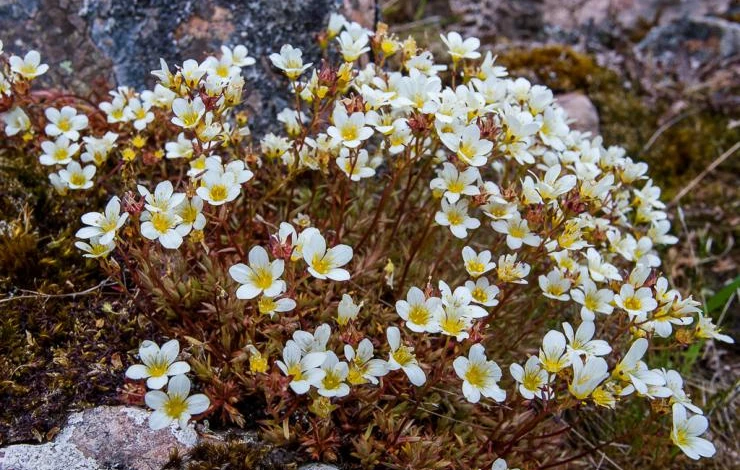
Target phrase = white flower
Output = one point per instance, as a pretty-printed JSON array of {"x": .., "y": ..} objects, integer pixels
[
  {"x": 261, "y": 276},
  {"x": 303, "y": 370},
  {"x": 164, "y": 198},
  {"x": 103, "y": 225},
  {"x": 98, "y": 149},
  {"x": 352, "y": 48},
  {"x": 455, "y": 183},
  {"x": 460, "y": 300},
  {"x": 419, "y": 312},
  {"x": 336, "y": 23},
  {"x": 323, "y": 263},
  {"x": 674, "y": 382},
  {"x": 191, "y": 213},
  {"x": 686, "y": 431},
  {"x": 480, "y": 376},
  {"x": 95, "y": 249},
  {"x": 600, "y": 270},
  {"x": 402, "y": 357},
  {"x": 456, "y": 217},
  {"x": 140, "y": 113},
  {"x": 290, "y": 61},
  {"x": 588, "y": 376},
  {"x": 532, "y": 378},
  {"x": 65, "y": 122},
  {"x": 238, "y": 56},
  {"x": 632, "y": 370},
  {"x": 581, "y": 341},
  {"x": 175, "y": 405},
  {"x": 315, "y": 342},
  {"x": 460, "y": 49},
  {"x": 511, "y": 270},
  {"x": 335, "y": 373},
  {"x": 270, "y": 306},
  {"x": 555, "y": 285},
  {"x": 59, "y": 152},
  {"x": 483, "y": 292},
  {"x": 115, "y": 110},
  {"x": 637, "y": 303},
  {"x": 362, "y": 366},
  {"x": 218, "y": 188},
  {"x": 592, "y": 299},
  {"x": 517, "y": 232},
  {"x": 550, "y": 187},
  {"x": 187, "y": 113},
  {"x": 77, "y": 177},
  {"x": 347, "y": 310},
  {"x": 28, "y": 67},
  {"x": 552, "y": 353},
  {"x": 706, "y": 329},
  {"x": 162, "y": 226},
  {"x": 355, "y": 166},
  {"x": 477, "y": 264},
  {"x": 158, "y": 364},
  {"x": 468, "y": 145},
  {"x": 16, "y": 120},
  {"x": 182, "y": 148},
  {"x": 349, "y": 130}
]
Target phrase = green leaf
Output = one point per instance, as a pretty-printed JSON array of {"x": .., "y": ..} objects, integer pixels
[{"x": 720, "y": 298}]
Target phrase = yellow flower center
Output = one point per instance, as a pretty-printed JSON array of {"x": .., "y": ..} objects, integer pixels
[
  {"x": 77, "y": 179},
  {"x": 61, "y": 154},
  {"x": 28, "y": 69},
  {"x": 321, "y": 265},
  {"x": 479, "y": 294},
  {"x": 262, "y": 277},
  {"x": 189, "y": 214},
  {"x": 266, "y": 305},
  {"x": 331, "y": 380},
  {"x": 356, "y": 375},
  {"x": 452, "y": 325},
  {"x": 455, "y": 218},
  {"x": 161, "y": 222},
  {"x": 475, "y": 266},
  {"x": 456, "y": 186},
  {"x": 349, "y": 133},
  {"x": 98, "y": 249},
  {"x": 218, "y": 192},
  {"x": 175, "y": 406},
  {"x": 531, "y": 381},
  {"x": 419, "y": 314},
  {"x": 295, "y": 371},
  {"x": 403, "y": 356},
  {"x": 64, "y": 124},
  {"x": 632, "y": 303},
  {"x": 476, "y": 375},
  {"x": 158, "y": 368},
  {"x": 517, "y": 231}
]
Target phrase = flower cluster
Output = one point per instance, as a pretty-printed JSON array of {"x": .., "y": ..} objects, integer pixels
[
  {"x": 161, "y": 368},
  {"x": 529, "y": 271}
]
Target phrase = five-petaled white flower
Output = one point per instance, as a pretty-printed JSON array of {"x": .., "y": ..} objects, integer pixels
[
  {"x": 459, "y": 48},
  {"x": 686, "y": 431},
  {"x": 304, "y": 370},
  {"x": 103, "y": 225},
  {"x": 402, "y": 357},
  {"x": 290, "y": 61},
  {"x": 349, "y": 130},
  {"x": 262, "y": 276},
  {"x": 175, "y": 405},
  {"x": 419, "y": 312},
  {"x": 480, "y": 376},
  {"x": 456, "y": 217},
  {"x": 158, "y": 364},
  {"x": 29, "y": 66},
  {"x": 65, "y": 122},
  {"x": 326, "y": 263}
]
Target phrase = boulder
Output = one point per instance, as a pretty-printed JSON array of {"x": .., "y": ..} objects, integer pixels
[
  {"x": 581, "y": 111},
  {"x": 121, "y": 41},
  {"x": 99, "y": 438}
]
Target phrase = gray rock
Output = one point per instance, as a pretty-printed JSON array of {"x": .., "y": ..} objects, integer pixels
[
  {"x": 121, "y": 41},
  {"x": 581, "y": 111},
  {"x": 100, "y": 438}
]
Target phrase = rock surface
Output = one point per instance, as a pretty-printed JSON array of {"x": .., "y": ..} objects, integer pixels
[
  {"x": 115, "y": 437},
  {"x": 101, "y": 438},
  {"x": 121, "y": 41},
  {"x": 581, "y": 111}
]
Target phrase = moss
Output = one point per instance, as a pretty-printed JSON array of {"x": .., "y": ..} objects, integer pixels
[
  {"x": 233, "y": 454},
  {"x": 57, "y": 350}
]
